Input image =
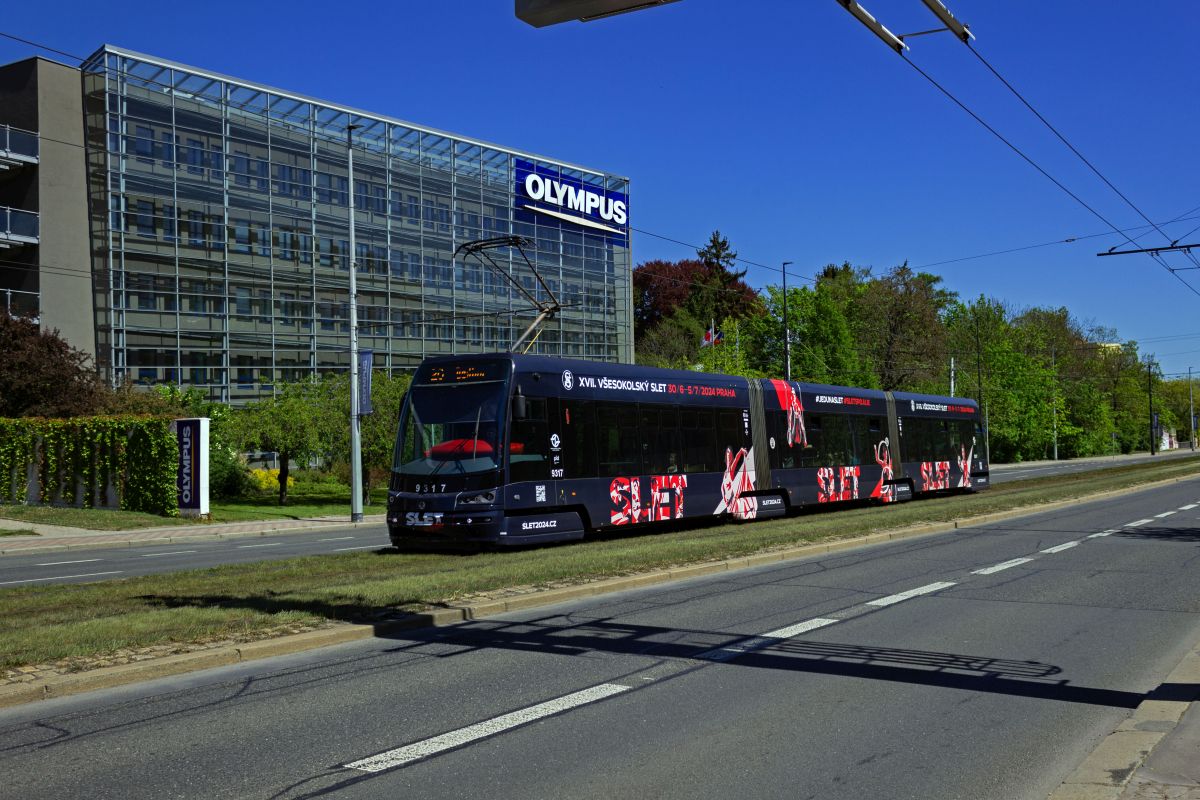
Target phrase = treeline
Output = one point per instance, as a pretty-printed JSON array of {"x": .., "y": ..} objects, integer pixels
[{"x": 1040, "y": 374}]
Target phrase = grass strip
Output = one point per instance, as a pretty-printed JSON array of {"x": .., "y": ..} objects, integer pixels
[
  {"x": 40, "y": 624},
  {"x": 18, "y": 532}
]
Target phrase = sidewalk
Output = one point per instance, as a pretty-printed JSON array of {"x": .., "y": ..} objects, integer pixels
[
  {"x": 1154, "y": 754},
  {"x": 56, "y": 537}
]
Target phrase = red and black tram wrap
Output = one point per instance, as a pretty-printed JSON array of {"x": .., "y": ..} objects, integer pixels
[{"x": 517, "y": 449}]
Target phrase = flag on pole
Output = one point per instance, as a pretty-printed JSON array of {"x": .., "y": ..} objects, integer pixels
[
  {"x": 718, "y": 337},
  {"x": 709, "y": 336}
]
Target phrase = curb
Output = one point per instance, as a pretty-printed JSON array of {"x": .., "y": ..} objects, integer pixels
[
  {"x": 1107, "y": 770},
  {"x": 109, "y": 677}
]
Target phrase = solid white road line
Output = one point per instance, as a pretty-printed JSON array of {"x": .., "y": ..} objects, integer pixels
[
  {"x": 248, "y": 546},
  {"x": 172, "y": 553},
  {"x": 336, "y": 539},
  {"x": 1137, "y": 523},
  {"x": 1016, "y": 562},
  {"x": 1060, "y": 548},
  {"x": 61, "y": 577},
  {"x": 1164, "y": 514},
  {"x": 57, "y": 563},
  {"x": 360, "y": 547},
  {"x": 911, "y": 593},
  {"x": 481, "y": 730}
]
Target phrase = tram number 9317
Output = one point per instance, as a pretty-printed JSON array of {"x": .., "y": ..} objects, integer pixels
[{"x": 426, "y": 488}]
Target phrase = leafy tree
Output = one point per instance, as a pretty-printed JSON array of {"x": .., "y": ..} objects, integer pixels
[
  {"x": 377, "y": 430},
  {"x": 679, "y": 295},
  {"x": 898, "y": 321},
  {"x": 672, "y": 343},
  {"x": 823, "y": 349},
  {"x": 290, "y": 424},
  {"x": 41, "y": 375},
  {"x": 733, "y": 355}
]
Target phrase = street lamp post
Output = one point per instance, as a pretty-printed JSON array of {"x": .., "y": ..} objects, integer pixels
[
  {"x": 787, "y": 334},
  {"x": 356, "y": 500}
]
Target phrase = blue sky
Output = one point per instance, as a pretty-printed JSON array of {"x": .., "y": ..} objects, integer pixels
[{"x": 787, "y": 125}]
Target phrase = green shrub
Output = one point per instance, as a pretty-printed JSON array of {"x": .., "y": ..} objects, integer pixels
[{"x": 228, "y": 475}]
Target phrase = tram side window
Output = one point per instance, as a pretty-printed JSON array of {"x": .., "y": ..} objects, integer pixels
[
  {"x": 811, "y": 456},
  {"x": 578, "y": 438},
  {"x": 731, "y": 432},
  {"x": 529, "y": 446},
  {"x": 699, "y": 440},
  {"x": 619, "y": 448},
  {"x": 837, "y": 443},
  {"x": 660, "y": 439},
  {"x": 868, "y": 431}
]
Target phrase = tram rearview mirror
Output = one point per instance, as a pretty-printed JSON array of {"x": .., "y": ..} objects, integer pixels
[{"x": 518, "y": 409}]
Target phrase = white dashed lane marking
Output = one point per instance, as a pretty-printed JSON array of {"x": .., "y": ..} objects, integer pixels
[
  {"x": 248, "y": 546},
  {"x": 172, "y": 553},
  {"x": 1060, "y": 548},
  {"x": 360, "y": 547},
  {"x": 60, "y": 563},
  {"x": 336, "y": 539},
  {"x": 1100, "y": 534},
  {"x": 1016, "y": 562},
  {"x": 754, "y": 643},
  {"x": 892, "y": 599},
  {"x": 481, "y": 730},
  {"x": 60, "y": 577},
  {"x": 1164, "y": 514},
  {"x": 1136, "y": 523},
  {"x": 1188, "y": 507}
]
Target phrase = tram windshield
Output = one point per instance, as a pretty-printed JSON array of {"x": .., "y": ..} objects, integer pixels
[{"x": 451, "y": 429}]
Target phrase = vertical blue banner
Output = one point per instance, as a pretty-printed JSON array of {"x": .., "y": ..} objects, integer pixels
[{"x": 365, "y": 360}]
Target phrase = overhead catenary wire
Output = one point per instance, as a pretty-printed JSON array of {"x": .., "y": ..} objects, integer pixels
[
  {"x": 1038, "y": 167},
  {"x": 1071, "y": 147}
]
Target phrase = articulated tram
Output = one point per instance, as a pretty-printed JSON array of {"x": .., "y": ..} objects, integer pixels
[{"x": 519, "y": 449}]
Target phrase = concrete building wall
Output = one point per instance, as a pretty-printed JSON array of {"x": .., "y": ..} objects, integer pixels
[{"x": 66, "y": 282}]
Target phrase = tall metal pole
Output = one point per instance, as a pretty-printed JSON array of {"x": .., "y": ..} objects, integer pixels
[
  {"x": 1192, "y": 408},
  {"x": 1150, "y": 394},
  {"x": 787, "y": 334},
  {"x": 356, "y": 499},
  {"x": 952, "y": 376},
  {"x": 1054, "y": 403}
]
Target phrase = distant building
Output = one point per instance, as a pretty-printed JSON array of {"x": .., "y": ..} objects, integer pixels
[{"x": 190, "y": 228}]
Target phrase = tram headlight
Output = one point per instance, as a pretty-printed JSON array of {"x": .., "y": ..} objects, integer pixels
[{"x": 479, "y": 499}]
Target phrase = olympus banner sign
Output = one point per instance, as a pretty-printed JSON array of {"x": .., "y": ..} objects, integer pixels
[
  {"x": 569, "y": 199},
  {"x": 191, "y": 480}
]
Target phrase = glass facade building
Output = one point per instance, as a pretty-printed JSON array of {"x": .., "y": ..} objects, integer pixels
[{"x": 220, "y": 210}]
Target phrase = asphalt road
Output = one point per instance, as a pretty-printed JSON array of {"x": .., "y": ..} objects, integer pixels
[
  {"x": 104, "y": 563},
  {"x": 1001, "y": 473},
  {"x": 983, "y": 663}
]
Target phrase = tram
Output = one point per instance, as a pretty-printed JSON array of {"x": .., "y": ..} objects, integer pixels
[{"x": 514, "y": 449}]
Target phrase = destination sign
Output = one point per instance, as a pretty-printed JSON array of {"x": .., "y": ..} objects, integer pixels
[{"x": 464, "y": 373}]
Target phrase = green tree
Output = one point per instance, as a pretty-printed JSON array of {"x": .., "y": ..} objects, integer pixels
[
  {"x": 41, "y": 375},
  {"x": 377, "y": 430},
  {"x": 292, "y": 424},
  {"x": 897, "y": 319}
]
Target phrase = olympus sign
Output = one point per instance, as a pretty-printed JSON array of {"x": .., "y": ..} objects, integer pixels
[
  {"x": 582, "y": 200},
  {"x": 569, "y": 199}
]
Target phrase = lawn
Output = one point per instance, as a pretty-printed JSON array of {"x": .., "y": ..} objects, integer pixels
[{"x": 40, "y": 624}]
